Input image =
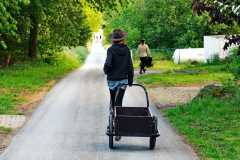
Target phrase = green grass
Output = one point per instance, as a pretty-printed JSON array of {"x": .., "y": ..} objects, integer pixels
[
  {"x": 5, "y": 130},
  {"x": 172, "y": 79},
  {"x": 198, "y": 74},
  {"x": 160, "y": 65},
  {"x": 31, "y": 76},
  {"x": 211, "y": 124}
]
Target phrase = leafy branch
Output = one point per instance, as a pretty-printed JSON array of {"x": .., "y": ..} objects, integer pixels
[{"x": 221, "y": 11}]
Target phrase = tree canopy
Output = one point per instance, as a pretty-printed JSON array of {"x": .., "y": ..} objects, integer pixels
[
  {"x": 221, "y": 11},
  {"x": 164, "y": 24},
  {"x": 28, "y": 27}
]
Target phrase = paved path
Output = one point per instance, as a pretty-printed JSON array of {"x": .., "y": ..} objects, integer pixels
[
  {"x": 172, "y": 96},
  {"x": 168, "y": 97},
  {"x": 70, "y": 123}
]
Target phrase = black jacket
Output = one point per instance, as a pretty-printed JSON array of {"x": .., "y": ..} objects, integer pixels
[{"x": 118, "y": 64}]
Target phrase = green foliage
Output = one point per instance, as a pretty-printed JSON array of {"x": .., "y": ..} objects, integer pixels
[
  {"x": 8, "y": 26},
  {"x": 211, "y": 124},
  {"x": 214, "y": 60},
  {"x": 93, "y": 19},
  {"x": 60, "y": 23},
  {"x": 51, "y": 24},
  {"x": 234, "y": 65},
  {"x": 31, "y": 75},
  {"x": 170, "y": 26},
  {"x": 104, "y": 5},
  {"x": 128, "y": 19}
]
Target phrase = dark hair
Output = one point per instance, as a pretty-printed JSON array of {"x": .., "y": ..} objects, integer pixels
[{"x": 116, "y": 42}]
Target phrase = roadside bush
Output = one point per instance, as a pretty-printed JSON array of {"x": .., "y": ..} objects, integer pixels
[
  {"x": 233, "y": 66},
  {"x": 214, "y": 60},
  {"x": 191, "y": 63}
]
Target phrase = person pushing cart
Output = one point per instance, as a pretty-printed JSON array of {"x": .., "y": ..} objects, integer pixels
[{"x": 119, "y": 68}]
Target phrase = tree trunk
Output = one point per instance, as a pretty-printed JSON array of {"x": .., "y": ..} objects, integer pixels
[
  {"x": 8, "y": 57},
  {"x": 32, "y": 52},
  {"x": 2, "y": 62}
]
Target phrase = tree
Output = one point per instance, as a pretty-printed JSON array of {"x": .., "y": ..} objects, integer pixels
[
  {"x": 68, "y": 11},
  {"x": 47, "y": 25},
  {"x": 103, "y": 5},
  {"x": 9, "y": 35},
  {"x": 164, "y": 24},
  {"x": 221, "y": 11}
]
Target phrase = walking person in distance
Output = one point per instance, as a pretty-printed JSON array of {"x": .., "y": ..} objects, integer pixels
[{"x": 143, "y": 51}]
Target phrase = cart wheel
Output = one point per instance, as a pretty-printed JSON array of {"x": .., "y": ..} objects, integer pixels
[
  {"x": 111, "y": 131},
  {"x": 153, "y": 139}
]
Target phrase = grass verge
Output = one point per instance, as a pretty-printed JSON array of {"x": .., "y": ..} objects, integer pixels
[
  {"x": 32, "y": 76},
  {"x": 193, "y": 74},
  {"x": 172, "y": 79},
  {"x": 160, "y": 65},
  {"x": 211, "y": 124}
]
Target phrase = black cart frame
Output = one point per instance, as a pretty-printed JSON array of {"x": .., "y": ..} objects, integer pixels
[{"x": 133, "y": 121}]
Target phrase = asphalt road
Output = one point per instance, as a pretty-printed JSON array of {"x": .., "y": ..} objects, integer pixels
[{"x": 70, "y": 123}]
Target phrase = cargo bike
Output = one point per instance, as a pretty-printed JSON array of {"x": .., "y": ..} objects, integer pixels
[{"x": 133, "y": 121}]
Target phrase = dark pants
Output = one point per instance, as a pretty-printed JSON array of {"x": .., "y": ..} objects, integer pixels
[
  {"x": 116, "y": 97},
  {"x": 143, "y": 62}
]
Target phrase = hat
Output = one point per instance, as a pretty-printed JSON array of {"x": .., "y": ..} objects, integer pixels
[
  {"x": 117, "y": 35},
  {"x": 142, "y": 39}
]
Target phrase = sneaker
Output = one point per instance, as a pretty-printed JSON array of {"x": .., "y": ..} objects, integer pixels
[
  {"x": 144, "y": 70},
  {"x": 117, "y": 138},
  {"x": 140, "y": 72}
]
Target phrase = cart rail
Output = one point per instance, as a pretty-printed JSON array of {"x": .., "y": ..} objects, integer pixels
[{"x": 145, "y": 91}]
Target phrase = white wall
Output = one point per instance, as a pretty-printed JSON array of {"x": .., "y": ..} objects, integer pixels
[
  {"x": 210, "y": 47},
  {"x": 213, "y": 44}
]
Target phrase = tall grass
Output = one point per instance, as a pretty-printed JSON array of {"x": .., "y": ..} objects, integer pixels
[{"x": 32, "y": 75}]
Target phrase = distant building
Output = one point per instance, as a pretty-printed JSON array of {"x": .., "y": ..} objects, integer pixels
[{"x": 213, "y": 44}]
